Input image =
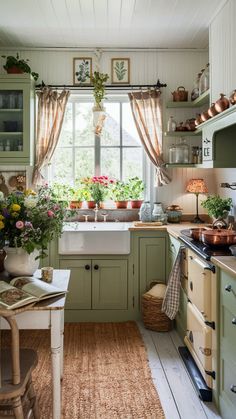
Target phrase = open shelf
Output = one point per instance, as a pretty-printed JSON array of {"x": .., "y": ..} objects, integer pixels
[
  {"x": 201, "y": 100},
  {"x": 182, "y": 133},
  {"x": 182, "y": 165}
]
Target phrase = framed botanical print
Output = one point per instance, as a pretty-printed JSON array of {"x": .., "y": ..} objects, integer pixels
[
  {"x": 120, "y": 70},
  {"x": 82, "y": 70}
]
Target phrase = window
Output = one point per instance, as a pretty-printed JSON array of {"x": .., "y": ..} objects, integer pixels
[{"x": 79, "y": 153}]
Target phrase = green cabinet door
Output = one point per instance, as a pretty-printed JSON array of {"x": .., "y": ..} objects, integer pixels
[
  {"x": 152, "y": 257},
  {"x": 109, "y": 284},
  {"x": 227, "y": 397},
  {"x": 79, "y": 295}
]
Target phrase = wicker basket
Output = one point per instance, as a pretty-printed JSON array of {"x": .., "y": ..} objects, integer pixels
[{"x": 153, "y": 317}]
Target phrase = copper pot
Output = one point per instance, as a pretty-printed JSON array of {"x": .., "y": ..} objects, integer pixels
[
  {"x": 219, "y": 237},
  {"x": 232, "y": 98},
  {"x": 196, "y": 233},
  {"x": 205, "y": 116},
  {"x": 222, "y": 103},
  {"x": 212, "y": 110},
  {"x": 198, "y": 120}
]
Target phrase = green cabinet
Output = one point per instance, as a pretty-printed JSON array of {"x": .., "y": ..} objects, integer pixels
[
  {"x": 16, "y": 119},
  {"x": 227, "y": 345},
  {"x": 80, "y": 287},
  {"x": 173, "y": 249}
]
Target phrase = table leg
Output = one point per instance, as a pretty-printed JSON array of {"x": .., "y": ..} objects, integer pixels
[
  {"x": 56, "y": 362},
  {"x": 62, "y": 342}
]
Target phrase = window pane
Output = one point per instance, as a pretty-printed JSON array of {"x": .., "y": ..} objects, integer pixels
[
  {"x": 132, "y": 163},
  {"x": 110, "y": 162},
  {"x": 111, "y": 130},
  {"x": 84, "y": 134},
  {"x": 84, "y": 162},
  {"x": 62, "y": 165},
  {"x": 66, "y": 136},
  {"x": 129, "y": 132}
]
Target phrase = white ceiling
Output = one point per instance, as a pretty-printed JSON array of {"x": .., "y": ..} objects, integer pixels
[{"x": 106, "y": 23}]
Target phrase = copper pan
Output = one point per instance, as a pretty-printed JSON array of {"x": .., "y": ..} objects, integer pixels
[
  {"x": 219, "y": 237},
  {"x": 196, "y": 233}
]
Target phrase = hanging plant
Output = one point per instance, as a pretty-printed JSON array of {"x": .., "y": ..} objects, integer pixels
[{"x": 98, "y": 81}]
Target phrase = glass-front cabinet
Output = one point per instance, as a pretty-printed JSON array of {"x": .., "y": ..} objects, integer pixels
[{"x": 16, "y": 119}]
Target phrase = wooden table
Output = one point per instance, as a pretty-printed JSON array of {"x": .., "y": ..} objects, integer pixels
[{"x": 49, "y": 314}]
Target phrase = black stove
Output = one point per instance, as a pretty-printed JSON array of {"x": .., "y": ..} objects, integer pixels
[{"x": 206, "y": 252}]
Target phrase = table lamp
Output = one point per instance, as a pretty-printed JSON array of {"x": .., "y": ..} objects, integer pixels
[{"x": 196, "y": 186}]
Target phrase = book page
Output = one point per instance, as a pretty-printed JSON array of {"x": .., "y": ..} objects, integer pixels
[
  {"x": 11, "y": 297},
  {"x": 36, "y": 287}
]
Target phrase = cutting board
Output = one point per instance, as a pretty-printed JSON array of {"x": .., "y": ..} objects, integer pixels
[{"x": 151, "y": 224}]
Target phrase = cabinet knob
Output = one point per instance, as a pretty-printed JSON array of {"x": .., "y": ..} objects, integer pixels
[
  {"x": 96, "y": 267},
  {"x": 228, "y": 288},
  {"x": 233, "y": 388},
  {"x": 87, "y": 267},
  {"x": 191, "y": 285},
  {"x": 234, "y": 320}
]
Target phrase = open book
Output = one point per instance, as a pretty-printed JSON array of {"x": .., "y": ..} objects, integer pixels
[{"x": 25, "y": 290}]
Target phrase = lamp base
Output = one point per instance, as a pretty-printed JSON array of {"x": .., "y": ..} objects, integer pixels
[{"x": 197, "y": 220}]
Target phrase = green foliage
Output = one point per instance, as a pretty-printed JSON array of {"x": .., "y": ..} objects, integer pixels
[
  {"x": 120, "y": 70},
  {"x": 216, "y": 206},
  {"x": 136, "y": 188},
  {"x": 120, "y": 191},
  {"x": 22, "y": 64},
  {"x": 98, "y": 80},
  {"x": 62, "y": 191}
]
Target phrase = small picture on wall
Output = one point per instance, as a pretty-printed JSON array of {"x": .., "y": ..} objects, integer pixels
[
  {"x": 82, "y": 70},
  {"x": 120, "y": 70}
]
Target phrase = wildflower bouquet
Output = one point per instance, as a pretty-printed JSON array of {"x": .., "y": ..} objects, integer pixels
[
  {"x": 31, "y": 220},
  {"x": 98, "y": 187}
]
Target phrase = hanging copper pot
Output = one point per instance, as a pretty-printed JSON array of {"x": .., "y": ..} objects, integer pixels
[
  {"x": 212, "y": 110},
  {"x": 222, "y": 103}
]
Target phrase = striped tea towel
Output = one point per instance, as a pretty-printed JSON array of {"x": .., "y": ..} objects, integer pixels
[{"x": 170, "y": 303}]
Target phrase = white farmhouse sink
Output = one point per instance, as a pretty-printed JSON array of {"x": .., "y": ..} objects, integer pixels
[{"x": 95, "y": 238}]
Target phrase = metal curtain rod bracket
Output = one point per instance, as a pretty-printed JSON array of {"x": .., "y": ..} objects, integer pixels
[{"x": 158, "y": 85}]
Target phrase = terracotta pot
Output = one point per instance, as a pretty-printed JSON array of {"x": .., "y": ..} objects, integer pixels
[
  {"x": 91, "y": 204},
  {"x": 232, "y": 98},
  {"x": 14, "y": 70},
  {"x": 121, "y": 204},
  {"x": 75, "y": 204},
  {"x": 205, "y": 116},
  {"x": 212, "y": 111},
  {"x": 136, "y": 203},
  {"x": 222, "y": 103}
]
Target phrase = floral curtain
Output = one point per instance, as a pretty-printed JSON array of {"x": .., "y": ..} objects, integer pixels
[
  {"x": 51, "y": 110},
  {"x": 146, "y": 110}
]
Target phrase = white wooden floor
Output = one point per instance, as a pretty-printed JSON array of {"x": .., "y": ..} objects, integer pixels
[{"x": 178, "y": 396}]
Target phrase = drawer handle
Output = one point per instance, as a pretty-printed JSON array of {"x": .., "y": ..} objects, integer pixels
[
  {"x": 234, "y": 320},
  {"x": 228, "y": 288},
  {"x": 87, "y": 267},
  {"x": 233, "y": 388},
  {"x": 96, "y": 267},
  {"x": 191, "y": 286}
]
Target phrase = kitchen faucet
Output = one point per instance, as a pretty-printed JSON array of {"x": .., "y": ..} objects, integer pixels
[{"x": 96, "y": 213}]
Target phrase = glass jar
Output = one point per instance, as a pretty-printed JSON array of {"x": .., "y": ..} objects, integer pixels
[
  {"x": 182, "y": 152},
  {"x": 171, "y": 124},
  {"x": 195, "y": 91},
  {"x": 145, "y": 214},
  {"x": 195, "y": 154},
  {"x": 157, "y": 213},
  {"x": 172, "y": 153},
  {"x": 206, "y": 79}
]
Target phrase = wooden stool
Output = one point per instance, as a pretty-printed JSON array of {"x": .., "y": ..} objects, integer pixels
[{"x": 151, "y": 304}]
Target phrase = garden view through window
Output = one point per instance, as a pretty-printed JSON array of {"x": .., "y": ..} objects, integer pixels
[{"x": 117, "y": 153}]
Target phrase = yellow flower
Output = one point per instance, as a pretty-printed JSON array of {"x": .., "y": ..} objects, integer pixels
[
  {"x": 29, "y": 192},
  {"x": 1, "y": 217},
  {"x": 14, "y": 214},
  {"x": 2, "y": 225},
  {"x": 15, "y": 207}
]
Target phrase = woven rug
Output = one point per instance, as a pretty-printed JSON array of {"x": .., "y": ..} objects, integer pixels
[{"x": 106, "y": 372}]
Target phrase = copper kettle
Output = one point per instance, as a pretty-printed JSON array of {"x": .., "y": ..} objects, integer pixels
[
  {"x": 232, "y": 98},
  {"x": 212, "y": 110},
  {"x": 222, "y": 103}
]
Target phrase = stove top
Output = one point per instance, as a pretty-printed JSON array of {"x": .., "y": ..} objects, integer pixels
[{"x": 206, "y": 252}]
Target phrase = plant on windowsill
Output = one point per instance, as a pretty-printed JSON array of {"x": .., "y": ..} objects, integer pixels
[
  {"x": 15, "y": 65},
  {"x": 98, "y": 81},
  {"x": 120, "y": 194},
  {"x": 136, "y": 188},
  {"x": 97, "y": 188},
  {"x": 80, "y": 194}
]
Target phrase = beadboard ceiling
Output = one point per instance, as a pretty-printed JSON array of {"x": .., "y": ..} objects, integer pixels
[{"x": 106, "y": 23}]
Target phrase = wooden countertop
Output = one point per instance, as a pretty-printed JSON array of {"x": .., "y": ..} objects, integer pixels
[
  {"x": 227, "y": 263},
  {"x": 173, "y": 229}
]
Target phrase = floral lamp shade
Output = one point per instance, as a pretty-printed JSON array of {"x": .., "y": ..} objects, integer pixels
[{"x": 196, "y": 186}]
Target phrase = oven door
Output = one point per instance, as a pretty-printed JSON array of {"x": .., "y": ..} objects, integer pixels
[{"x": 199, "y": 284}]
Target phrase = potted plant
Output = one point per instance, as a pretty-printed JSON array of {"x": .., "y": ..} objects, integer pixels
[
  {"x": 97, "y": 188},
  {"x": 120, "y": 194},
  {"x": 217, "y": 207},
  {"x": 15, "y": 65},
  {"x": 79, "y": 195},
  {"x": 62, "y": 192},
  {"x": 136, "y": 188},
  {"x": 98, "y": 80}
]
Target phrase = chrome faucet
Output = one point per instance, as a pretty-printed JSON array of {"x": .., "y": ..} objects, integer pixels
[{"x": 96, "y": 213}]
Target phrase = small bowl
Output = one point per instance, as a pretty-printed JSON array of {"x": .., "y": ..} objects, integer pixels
[{"x": 233, "y": 249}]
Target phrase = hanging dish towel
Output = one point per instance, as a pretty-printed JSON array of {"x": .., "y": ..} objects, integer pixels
[{"x": 170, "y": 303}]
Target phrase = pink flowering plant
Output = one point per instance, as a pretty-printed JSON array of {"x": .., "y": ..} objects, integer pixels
[
  {"x": 98, "y": 187},
  {"x": 31, "y": 220}
]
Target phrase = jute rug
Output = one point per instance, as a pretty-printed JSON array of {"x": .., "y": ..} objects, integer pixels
[{"x": 106, "y": 373}]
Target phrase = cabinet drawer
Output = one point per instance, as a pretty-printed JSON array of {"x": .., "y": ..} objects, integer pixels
[
  {"x": 228, "y": 383},
  {"x": 228, "y": 332},
  {"x": 228, "y": 298}
]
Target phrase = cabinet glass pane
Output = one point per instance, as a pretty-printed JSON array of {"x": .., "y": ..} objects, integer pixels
[{"x": 11, "y": 120}]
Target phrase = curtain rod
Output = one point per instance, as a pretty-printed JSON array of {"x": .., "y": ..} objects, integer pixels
[{"x": 158, "y": 85}]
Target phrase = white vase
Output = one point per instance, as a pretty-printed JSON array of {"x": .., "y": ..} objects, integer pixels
[{"x": 18, "y": 262}]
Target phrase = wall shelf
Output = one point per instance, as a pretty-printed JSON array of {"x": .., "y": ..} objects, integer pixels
[
  {"x": 182, "y": 134},
  {"x": 201, "y": 100},
  {"x": 170, "y": 165}
]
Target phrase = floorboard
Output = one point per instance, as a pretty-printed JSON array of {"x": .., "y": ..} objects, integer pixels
[{"x": 176, "y": 391}]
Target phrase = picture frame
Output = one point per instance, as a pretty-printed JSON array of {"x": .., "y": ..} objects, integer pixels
[
  {"x": 120, "y": 71},
  {"x": 82, "y": 71}
]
